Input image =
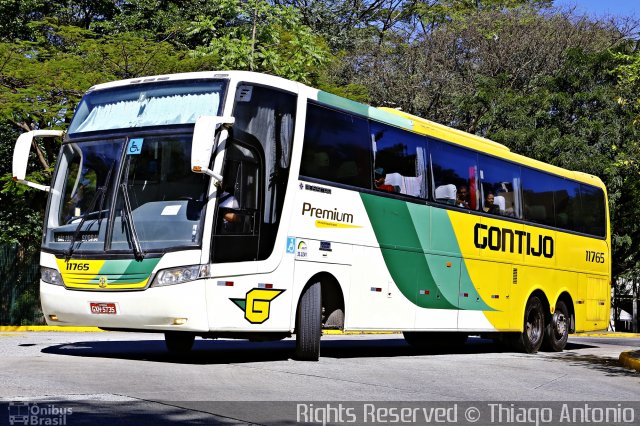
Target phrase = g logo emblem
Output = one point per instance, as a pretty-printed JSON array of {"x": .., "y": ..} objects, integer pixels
[
  {"x": 257, "y": 304},
  {"x": 102, "y": 282}
]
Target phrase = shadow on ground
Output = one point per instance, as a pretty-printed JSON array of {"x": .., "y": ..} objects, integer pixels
[
  {"x": 240, "y": 351},
  {"x": 604, "y": 364}
]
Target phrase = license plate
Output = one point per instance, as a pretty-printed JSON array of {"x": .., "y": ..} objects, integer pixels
[{"x": 103, "y": 308}]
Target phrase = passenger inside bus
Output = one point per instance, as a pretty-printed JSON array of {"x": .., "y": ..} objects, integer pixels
[
  {"x": 489, "y": 206},
  {"x": 379, "y": 176},
  {"x": 228, "y": 201},
  {"x": 462, "y": 197}
]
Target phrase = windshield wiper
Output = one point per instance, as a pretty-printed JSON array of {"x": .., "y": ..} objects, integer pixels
[
  {"x": 127, "y": 215},
  {"x": 100, "y": 193},
  {"x": 100, "y": 212}
]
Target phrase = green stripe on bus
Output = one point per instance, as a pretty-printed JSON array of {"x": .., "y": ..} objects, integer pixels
[
  {"x": 343, "y": 103},
  {"x": 364, "y": 110},
  {"x": 402, "y": 231},
  {"x": 125, "y": 267},
  {"x": 394, "y": 120},
  {"x": 403, "y": 254}
]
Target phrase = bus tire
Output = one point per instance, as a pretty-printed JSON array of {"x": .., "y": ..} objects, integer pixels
[
  {"x": 530, "y": 340},
  {"x": 309, "y": 324},
  {"x": 178, "y": 342},
  {"x": 556, "y": 332}
]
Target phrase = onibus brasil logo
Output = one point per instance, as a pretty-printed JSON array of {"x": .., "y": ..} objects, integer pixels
[{"x": 257, "y": 304}]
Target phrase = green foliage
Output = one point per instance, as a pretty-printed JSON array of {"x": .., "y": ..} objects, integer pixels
[
  {"x": 258, "y": 36},
  {"x": 436, "y": 13},
  {"x": 556, "y": 87},
  {"x": 26, "y": 308},
  {"x": 628, "y": 74},
  {"x": 42, "y": 80}
]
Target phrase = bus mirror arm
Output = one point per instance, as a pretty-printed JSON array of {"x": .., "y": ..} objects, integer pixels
[
  {"x": 21, "y": 156},
  {"x": 209, "y": 172},
  {"x": 204, "y": 142}
]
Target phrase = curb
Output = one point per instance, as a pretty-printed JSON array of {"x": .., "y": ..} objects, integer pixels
[
  {"x": 69, "y": 329},
  {"x": 344, "y": 333},
  {"x": 72, "y": 329},
  {"x": 618, "y": 335},
  {"x": 630, "y": 359}
]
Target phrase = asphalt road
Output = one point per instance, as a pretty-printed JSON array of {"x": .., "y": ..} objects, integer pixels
[{"x": 112, "y": 377}]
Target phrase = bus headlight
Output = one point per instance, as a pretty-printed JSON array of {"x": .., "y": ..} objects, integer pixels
[
  {"x": 51, "y": 276},
  {"x": 180, "y": 275}
]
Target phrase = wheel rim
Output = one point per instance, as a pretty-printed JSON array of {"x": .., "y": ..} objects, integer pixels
[
  {"x": 559, "y": 324},
  {"x": 534, "y": 326}
]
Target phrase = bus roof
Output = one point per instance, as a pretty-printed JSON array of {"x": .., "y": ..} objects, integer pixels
[{"x": 204, "y": 75}]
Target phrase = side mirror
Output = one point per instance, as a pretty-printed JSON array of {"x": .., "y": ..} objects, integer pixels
[
  {"x": 21, "y": 155},
  {"x": 204, "y": 142}
]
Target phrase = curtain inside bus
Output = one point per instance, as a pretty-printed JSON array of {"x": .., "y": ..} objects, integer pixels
[{"x": 144, "y": 112}]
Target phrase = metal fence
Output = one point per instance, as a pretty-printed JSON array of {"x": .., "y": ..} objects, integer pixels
[{"x": 19, "y": 295}]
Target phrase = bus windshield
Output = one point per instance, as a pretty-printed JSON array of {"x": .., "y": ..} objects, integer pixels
[
  {"x": 145, "y": 105},
  {"x": 115, "y": 194}
]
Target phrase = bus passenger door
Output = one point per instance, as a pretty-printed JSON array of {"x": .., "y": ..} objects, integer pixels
[
  {"x": 255, "y": 173},
  {"x": 237, "y": 228}
]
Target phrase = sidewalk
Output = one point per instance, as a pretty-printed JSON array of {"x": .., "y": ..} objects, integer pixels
[{"x": 607, "y": 334}]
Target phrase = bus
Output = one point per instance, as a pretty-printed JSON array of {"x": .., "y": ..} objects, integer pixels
[{"x": 242, "y": 205}]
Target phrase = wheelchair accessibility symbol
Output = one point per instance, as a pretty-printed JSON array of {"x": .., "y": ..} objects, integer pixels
[
  {"x": 291, "y": 245},
  {"x": 135, "y": 146}
]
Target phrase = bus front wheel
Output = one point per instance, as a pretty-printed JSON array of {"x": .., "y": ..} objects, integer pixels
[
  {"x": 556, "y": 332},
  {"x": 530, "y": 340},
  {"x": 178, "y": 342},
  {"x": 309, "y": 324}
]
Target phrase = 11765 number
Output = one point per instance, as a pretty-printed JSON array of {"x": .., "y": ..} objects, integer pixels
[
  {"x": 72, "y": 266},
  {"x": 595, "y": 257}
]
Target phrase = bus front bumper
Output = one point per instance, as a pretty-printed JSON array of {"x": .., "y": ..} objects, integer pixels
[{"x": 180, "y": 307}]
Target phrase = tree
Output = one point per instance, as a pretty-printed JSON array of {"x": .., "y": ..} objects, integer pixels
[
  {"x": 260, "y": 37},
  {"x": 41, "y": 82}
]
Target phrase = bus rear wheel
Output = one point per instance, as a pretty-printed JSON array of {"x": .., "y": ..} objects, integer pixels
[
  {"x": 178, "y": 342},
  {"x": 556, "y": 332},
  {"x": 309, "y": 324},
  {"x": 530, "y": 340}
]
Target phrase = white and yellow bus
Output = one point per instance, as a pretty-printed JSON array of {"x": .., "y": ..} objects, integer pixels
[{"x": 242, "y": 205}]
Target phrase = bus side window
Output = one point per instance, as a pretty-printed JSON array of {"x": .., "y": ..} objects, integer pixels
[
  {"x": 454, "y": 169},
  {"x": 399, "y": 160},
  {"x": 537, "y": 196},
  {"x": 567, "y": 204},
  {"x": 336, "y": 147},
  {"x": 239, "y": 200},
  {"x": 593, "y": 212},
  {"x": 502, "y": 179}
]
